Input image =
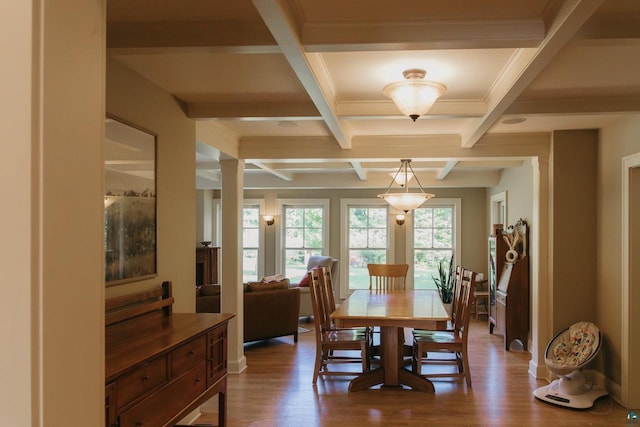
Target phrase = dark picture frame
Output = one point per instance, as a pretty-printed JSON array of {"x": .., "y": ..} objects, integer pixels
[{"x": 130, "y": 205}]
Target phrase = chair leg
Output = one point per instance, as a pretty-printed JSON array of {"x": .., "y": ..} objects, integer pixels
[
  {"x": 316, "y": 369},
  {"x": 465, "y": 361}
]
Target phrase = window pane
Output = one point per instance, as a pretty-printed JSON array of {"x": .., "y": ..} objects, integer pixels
[
  {"x": 422, "y": 239},
  {"x": 442, "y": 217},
  {"x": 313, "y": 238},
  {"x": 378, "y": 238},
  {"x": 313, "y": 217},
  {"x": 442, "y": 238},
  {"x": 358, "y": 260},
  {"x": 294, "y": 238},
  {"x": 294, "y": 217},
  {"x": 368, "y": 236},
  {"x": 303, "y": 237},
  {"x": 358, "y": 238},
  {"x": 432, "y": 241},
  {"x": 250, "y": 238},
  {"x": 250, "y": 217},
  {"x": 378, "y": 217},
  {"x": 422, "y": 217},
  {"x": 358, "y": 217},
  {"x": 249, "y": 265}
]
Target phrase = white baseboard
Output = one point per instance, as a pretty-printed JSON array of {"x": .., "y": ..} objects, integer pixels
[{"x": 237, "y": 366}]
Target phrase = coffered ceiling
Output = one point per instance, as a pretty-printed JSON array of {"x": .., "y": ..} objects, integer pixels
[{"x": 294, "y": 87}]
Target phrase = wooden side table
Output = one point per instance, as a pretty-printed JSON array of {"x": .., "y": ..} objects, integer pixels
[{"x": 481, "y": 295}]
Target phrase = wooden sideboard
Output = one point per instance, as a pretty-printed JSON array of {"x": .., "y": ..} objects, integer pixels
[
  {"x": 160, "y": 366},
  {"x": 509, "y": 285},
  {"x": 207, "y": 265}
]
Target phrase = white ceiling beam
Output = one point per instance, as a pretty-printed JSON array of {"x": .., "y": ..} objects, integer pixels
[
  {"x": 359, "y": 170},
  {"x": 442, "y": 173},
  {"x": 278, "y": 19},
  {"x": 443, "y": 147},
  {"x": 348, "y": 180},
  {"x": 254, "y": 110},
  {"x": 422, "y": 35},
  {"x": 282, "y": 175},
  {"x": 529, "y": 63}
]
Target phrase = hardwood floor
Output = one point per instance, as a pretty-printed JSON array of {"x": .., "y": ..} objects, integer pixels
[{"x": 276, "y": 390}]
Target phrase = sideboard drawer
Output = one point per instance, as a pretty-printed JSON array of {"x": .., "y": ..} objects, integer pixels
[
  {"x": 188, "y": 355},
  {"x": 156, "y": 410},
  {"x": 138, "y": 382}
]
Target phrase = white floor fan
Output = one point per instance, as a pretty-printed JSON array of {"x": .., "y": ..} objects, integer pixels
[{"x": 566, "y": 355}]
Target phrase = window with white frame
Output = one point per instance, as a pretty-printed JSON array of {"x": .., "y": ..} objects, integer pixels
[
  {"x": 304, "y": 233},
  {"x": 252, "y": 236},
  {"x": 367, "y": 242},
  {"x": 250, "y": 243},
  {"x": 435, "y": 238}
]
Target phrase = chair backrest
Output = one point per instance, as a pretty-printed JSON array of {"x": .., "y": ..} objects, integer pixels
[
  {"x": 328, "y": 288},
  {"x": 319, "y": 300},
  {"x": 386, "y": 277},
  {"x": 457, "y": 282},
  {"x": 467, "y": 286}
]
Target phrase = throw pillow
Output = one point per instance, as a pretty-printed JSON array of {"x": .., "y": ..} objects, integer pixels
[{"x": 304, "y": 282}]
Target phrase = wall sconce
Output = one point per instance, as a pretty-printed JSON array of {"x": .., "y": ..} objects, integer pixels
[
  {"x": 269, "y": 219},
  {"x": 400, "y": 219}
]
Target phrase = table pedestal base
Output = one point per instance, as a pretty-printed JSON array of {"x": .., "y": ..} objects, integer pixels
[{"x": 391, "y": 374}]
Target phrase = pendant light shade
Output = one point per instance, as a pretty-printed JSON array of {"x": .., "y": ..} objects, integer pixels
[
  {"x": 414, "y": 96},
  {"x": 404, "y": 200}
]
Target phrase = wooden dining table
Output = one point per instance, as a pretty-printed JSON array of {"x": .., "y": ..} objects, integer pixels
[{"x": 392, "y": 311}]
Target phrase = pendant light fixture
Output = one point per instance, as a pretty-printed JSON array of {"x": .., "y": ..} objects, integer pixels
[
  {"x": 414, "y": 96},
  {"x": 405, "y": 201}
]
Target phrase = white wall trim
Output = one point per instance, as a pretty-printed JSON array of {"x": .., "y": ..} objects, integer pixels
[
  {"x": 628, "y": 163},
  {"x": 495, "y": 201}
]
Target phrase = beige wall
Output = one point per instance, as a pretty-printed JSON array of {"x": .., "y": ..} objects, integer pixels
[
  {"x": 141, "y": 103},
  {"x": 474, "y": 244},
  {"x": 518, "y": 183},
  {"x": 573, "y": 170},
  {"x": 617, "y": 141},
  {"x": 52, "y": 322}
]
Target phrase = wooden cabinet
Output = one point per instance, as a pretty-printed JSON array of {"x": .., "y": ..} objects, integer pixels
[
  {"x": 509, "y": 284},
  {"x": 161, "y": 366},
  {"x": 207, "y": 265}
]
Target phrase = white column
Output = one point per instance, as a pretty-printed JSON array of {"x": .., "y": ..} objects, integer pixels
[
  {"x": 51, "y": 168},
  {"x": 541, "y": 284},
  {"x": 231, "y": 259}
]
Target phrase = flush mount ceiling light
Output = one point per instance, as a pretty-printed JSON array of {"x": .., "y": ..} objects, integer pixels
[
  {"x": 414, "y": 96},
  {"x": 405, "y": 201}
]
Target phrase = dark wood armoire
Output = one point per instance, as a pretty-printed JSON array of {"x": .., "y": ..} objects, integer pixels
[{"x": 509, "y": 284}]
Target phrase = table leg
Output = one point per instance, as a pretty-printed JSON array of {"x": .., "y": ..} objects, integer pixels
[{"x": 391, "y": 374}]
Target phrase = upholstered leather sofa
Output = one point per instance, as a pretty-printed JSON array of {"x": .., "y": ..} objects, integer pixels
[{"x": 270, "y": 310}]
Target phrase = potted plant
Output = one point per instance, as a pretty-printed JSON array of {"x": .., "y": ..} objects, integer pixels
[{"x": 444, "y": 282}]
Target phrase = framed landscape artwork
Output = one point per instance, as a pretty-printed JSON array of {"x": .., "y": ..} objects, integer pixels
[{"x": 129, "y": 203}]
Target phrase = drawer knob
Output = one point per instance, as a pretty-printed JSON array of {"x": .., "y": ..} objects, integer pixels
[
  {"x": 197, "y": 380},
  {"x": 139, "y": 423},
  {"x": 145, "y": 378},
  {"x": 191, "y": 352}
]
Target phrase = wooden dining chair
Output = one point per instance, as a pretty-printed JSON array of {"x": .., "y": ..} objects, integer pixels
[
  {"x": 454, "y": 342},
  {"x": 331, "y": 343},
  {"x": 385, "y": 277},
  {"x": 455, "y": 305}
]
